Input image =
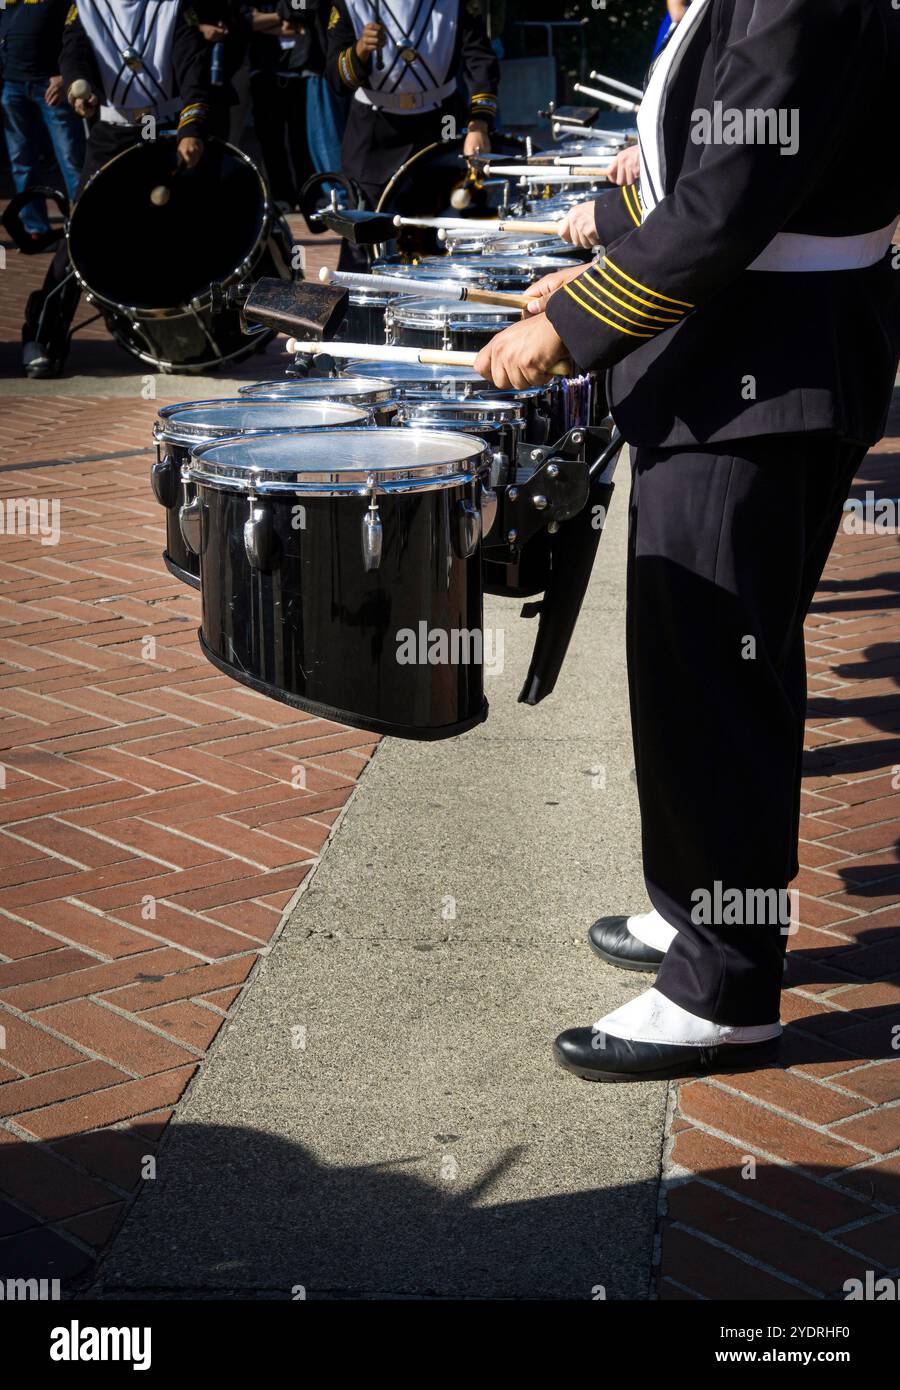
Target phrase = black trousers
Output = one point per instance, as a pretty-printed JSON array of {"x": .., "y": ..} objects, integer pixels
[
  {"x": 50, "y": 310},
  {"x": 279, "y": 119},
  {"x": 726, "y": 547}
]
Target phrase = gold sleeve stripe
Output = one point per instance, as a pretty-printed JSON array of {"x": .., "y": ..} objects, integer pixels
[
  {"x": 635, "y": 216},
  {"x": 676, "y": 314},
  {"x": 646, "y": 288},
  {"x": 346, "y": 68},
  {"x": 618, "y": 327},
  {"x": 485, "y": 96},
  {"x": 632, "y": 309},
  {"x": 583, "y": 284}
]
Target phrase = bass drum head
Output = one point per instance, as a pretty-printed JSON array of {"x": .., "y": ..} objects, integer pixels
[
  {"x": 422, "y": 187},
  {"x": 132, "y": 252}
]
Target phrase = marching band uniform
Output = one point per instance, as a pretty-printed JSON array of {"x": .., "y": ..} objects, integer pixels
[
  {"x": 142, "y": 58},
  {"x": 749, "y": 311},
  {"x": 405, "y": 104}
]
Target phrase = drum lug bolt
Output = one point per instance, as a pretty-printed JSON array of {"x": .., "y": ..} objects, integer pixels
[
  {"x": 536, "y": 455},
  {"x": 552, "y": 527},
  {"x": 552, "y": 470},
  {"x": 512, "y": 536},
  {"x": 372, "y": 536},
  {"x": 539, "y": 501},
  {"x": 512, "y": 494}
]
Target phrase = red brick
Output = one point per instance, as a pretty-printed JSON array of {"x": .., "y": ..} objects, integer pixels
[
  {"x": 106, "y": 1107},
  {"x": 95, "y": 978},
  {"x": 186, "y": 984},
  {"x": 190, "y": 1022},
  {"x": 18, "y": 1096},
  {"x": 877, "y": 1129},
  {"x": 718, "y": 1275},
  {"x": 745, "y": 1122},
  {"x": 763, "y": 1236},
  {"x": 775, "y": 1186},
  {"x": 795, "y": 1094},
  {"x": 121, "y": 1040}
]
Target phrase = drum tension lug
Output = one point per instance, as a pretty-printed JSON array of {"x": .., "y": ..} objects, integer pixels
[
  {"x": 164, "y": 478},
  {"x": 258, "y": 535},
  {"x": 372, "y": 533}
]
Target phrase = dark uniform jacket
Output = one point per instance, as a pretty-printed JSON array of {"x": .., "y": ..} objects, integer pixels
[
  {"x": 377, "y": 142},
  {"x": 702, "y": 348},
  {"x": 190, "y": 66}
]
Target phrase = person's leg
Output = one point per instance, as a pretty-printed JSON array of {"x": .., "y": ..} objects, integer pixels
[
  {"x": 297, "y": 141},
  {"x": 269, "y": 124},
  {"x": 23, "y": 132},
  {"x": 66, "y": 132},
  {"x": 725, "y": 552}
]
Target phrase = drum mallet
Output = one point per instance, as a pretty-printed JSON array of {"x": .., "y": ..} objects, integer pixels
[
  {"x": 369, "y": 352},
  {"x": 465, "y": 224},
  {"x": 431, "y": 289},
  {"x": 81, "y": 90}
]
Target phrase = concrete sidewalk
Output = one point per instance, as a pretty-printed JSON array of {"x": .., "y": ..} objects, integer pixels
[{"x": 383, "y": 1116}]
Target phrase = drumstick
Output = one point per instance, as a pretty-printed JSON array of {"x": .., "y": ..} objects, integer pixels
[
  {"x": 537, "y": 174},
  {"x": 379, "y": 56},
  {"x": 619, "y": 103},
  {"x": 432, "y": 289},
  {"x": 464, "y": 224},
  {"x": 618, "y": 86},
  {"x": 377, "y": 352}
]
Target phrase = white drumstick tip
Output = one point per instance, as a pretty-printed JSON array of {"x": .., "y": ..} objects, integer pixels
[{"x": 325, "y": 275}]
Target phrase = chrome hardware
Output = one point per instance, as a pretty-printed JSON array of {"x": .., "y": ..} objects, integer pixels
[
  {"x": 258, "y": 535},
  {"x": 189, "y": 521},
  {"x": 537, "y": 455},
  {"x": 512, "y": 494},
  {"x": 552, "y": 527},
  {"x": 512, "y": 536},
  {"x": 164, "y": 481},
  {"x": 372, "y": 534},
  {"x": 539, "y": 501},
  {"x": 577, "y": 437},
  {"x": 469, "y": 528},
  {"x": 488, "y": 510},
  {"x": 552, "y": 470}
]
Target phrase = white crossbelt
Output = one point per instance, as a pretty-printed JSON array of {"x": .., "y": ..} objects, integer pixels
[
  {"x": 118, "y": 115},
  {"x": 406, "y": 101},
  {"x": 795, "y": 251}
]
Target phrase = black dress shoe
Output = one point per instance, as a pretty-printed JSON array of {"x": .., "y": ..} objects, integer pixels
[
  {"x": 612, "y": 940},
  {"x": 620, "y": 1059}
]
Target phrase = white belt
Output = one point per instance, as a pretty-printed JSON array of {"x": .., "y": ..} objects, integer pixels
[
  {"x": 406, "y": 101},
  {"x": 793, "y": 251},
  {"x": 133, "y": 115}
]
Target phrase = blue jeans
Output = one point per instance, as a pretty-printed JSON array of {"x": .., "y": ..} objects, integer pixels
[{"x": 27, "y": 120}]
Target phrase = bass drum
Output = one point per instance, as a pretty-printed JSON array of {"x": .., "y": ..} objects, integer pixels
[
  {"x": 422, "y": 187},
  {"x": 155, "y": 270}
]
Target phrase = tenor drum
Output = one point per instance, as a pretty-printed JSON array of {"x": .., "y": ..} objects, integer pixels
[
  {"x": 342, "y": 573},
  {"x": 462, "y": 243},
  {"x": 500, "y": 422},
  {"x": 365, "y": 318},
  {"x": 435, "y": 268},
  {"x": 366, "y": 393},
  {"x": 502, "y": 272},
  {"x": 454, "y": 324},
  {"x": 181, "y": 428},
  {"x": 549, "y": 411}
]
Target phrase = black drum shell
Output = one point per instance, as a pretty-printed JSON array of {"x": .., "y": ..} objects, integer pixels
[
  {"x": 316, "y": 630},
  {"x": 364, "y": 321},
  {"x": 179, "y": 561}
]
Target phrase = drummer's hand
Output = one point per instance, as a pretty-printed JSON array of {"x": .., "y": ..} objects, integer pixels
[
  {"x": 86, "y": 107},
  {"x": 54, "y": 93},
  {"x": 522, "y": 355},
  {"x": 579, "y": 226},
  {"x": 626, "y": 167},
  {"x": 371, "y": 38},
  {"x": 541, "y": 290},
  {"x": 478, "y": 140},
  {"x": 189, "y": 151},
  {"x": 213, "y": 33}
]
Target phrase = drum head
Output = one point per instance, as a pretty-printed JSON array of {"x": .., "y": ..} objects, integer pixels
[
  {"x": 197, "y": 421},
  {"x": 340, "y": 461},
  {"x": 433, "y": 313},
  {"x": 354, "y": 390},
  {"x": 134, "y": 252},
  {"x": 420, "y": 378}
]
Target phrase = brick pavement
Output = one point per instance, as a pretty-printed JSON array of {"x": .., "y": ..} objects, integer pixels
[{"x": 158, "y": 820}]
